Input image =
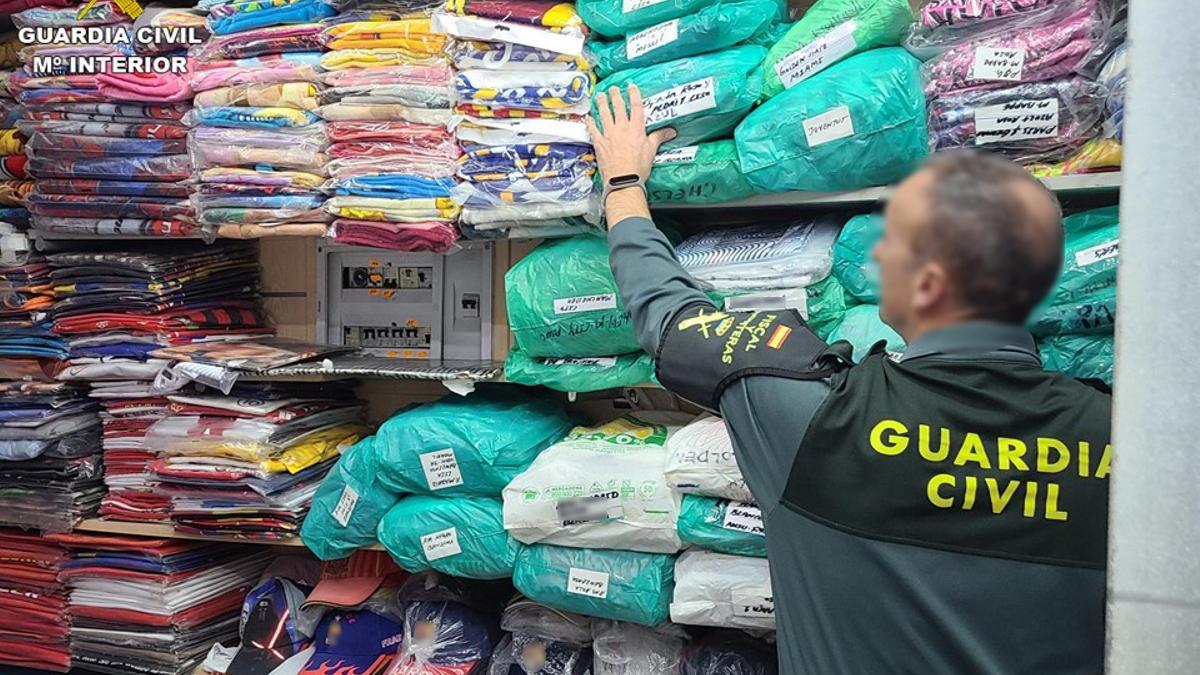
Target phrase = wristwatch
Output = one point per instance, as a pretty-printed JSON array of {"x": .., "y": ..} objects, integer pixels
[{"x": 628, "y": 180}]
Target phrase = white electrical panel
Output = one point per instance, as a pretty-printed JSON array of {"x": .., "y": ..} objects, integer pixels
[{"x": 407, "y": 305}]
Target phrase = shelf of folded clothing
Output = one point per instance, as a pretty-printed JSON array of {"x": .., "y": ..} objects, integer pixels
[
  {"x": 1080, "y": 185},
  {"x": 167, "y": 531},
  {"x": 381, "y": 367}
]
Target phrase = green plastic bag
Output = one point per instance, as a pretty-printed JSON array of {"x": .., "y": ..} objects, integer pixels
[
  {"x": 617, "y": 18},
  {"x": 768, "y": 36},
  {"x": 858, "y": 124},
  {"x": 591, "y": 373},
  {"x": 349, "y": 504},
  {"x": 1089, "y": 265},
  {"x": 707, "y": 173},
  {"x": 852, "y": 263},
  {"x": 468, "y": 446},
  {"x": 722, "y": 526},
  {"x": 617, "y": 585},
  {"x": 1079, "y": 224},
  {"x": 1096, "y": 314},
  {"x": 718, "y": 26},
  {"x": 862, "y": 328},
  {"x": 829, "y": 32},
  {"x": 702, "y": 97},
  {"x": 1086, "y": 357},
  {"x": 826, "y": 306},
  {"x": 460, "y": 536},
  {"x": 563, "y": 301}
]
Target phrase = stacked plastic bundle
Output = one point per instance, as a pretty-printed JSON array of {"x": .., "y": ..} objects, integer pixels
[
  {"x": 621, "y": 648},
  {"x": 13, "y": 183},
  {"x": 571, "y": 329},
  {"x": 540, "y": 639},
  {"x": 387, "y": 108},
  {"x": 522, "y": 88},
  {"x": 34, "y": 612},
  {"x": 257, "y": 146},
  {"x": 1013, "y": 77},
  {"x": 248, "y": 463},
  {"x": 153, "y": 606}
]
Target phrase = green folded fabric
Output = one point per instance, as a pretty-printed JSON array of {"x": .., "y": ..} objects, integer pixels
[{"x": 459, "y": 536}]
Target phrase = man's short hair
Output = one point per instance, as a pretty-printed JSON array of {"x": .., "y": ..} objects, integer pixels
[{"x": 997, "y": 231}]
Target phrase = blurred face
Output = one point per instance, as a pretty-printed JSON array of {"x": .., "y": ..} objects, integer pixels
[{"x": 904, "y": 278}]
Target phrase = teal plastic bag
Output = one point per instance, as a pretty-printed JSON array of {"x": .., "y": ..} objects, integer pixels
[
  {"x": 862, "y": 328},
  {"x": 617, "y": 585},
  {"x": 1083, "y": 299},
  {"x": 616, "y": 18},
  {"x": 563, "y": 301},
  {"x": 468, "y": 446},
  {"x": 1086, "y": 357},
  {"x": 348, "y": 506},
  {"x": 707, "y": 173},
  {"x": 768, "y": 36},
  {"x": 1089, "y": 265},
  {"x": 720, "y": 25},
  {"x": 702, "y": 97},
  {"x": 858, "y": 124},
  {"x": 592, "y": 373},
  {"x": 722, "y": 526},
  {"x": 852, "y": 263},
  {"x": 1096, "y": 314},
  {"x": 1084, "y": 222},
  {"x": 826, "y": 306},
  {"x": 459, "y": 536},
  {"x": 829, "y": 32}
]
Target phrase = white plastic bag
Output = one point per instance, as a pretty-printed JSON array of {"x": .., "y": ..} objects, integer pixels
[
  {"x": 727, "y": 591},
  {"x": 700, "y": 461}
]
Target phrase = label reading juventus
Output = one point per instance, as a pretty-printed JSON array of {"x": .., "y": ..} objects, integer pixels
[{"x": 829, "y": 126}]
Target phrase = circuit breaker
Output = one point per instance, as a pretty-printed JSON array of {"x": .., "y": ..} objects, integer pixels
[{"x": 407, "y": 305}]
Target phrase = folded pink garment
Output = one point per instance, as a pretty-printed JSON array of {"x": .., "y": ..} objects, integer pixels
[
  {"x": 14, "y": 6},
  {"x": 168, "y": 87},
  {"x": 437, "y": 236},
  {"x": 232, "y": 74},
  {"x": 406, "y": 74}
]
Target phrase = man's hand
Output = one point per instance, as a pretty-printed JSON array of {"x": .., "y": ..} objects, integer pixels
[{"x": 623, "y": 148}]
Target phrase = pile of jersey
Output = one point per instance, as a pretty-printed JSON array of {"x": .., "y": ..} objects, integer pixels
[
  {"x": 387, "y": 106},
  {"x": 108, "y": 150},
  {"x": 14, "y": 183},
  {"x": 522, "y": 89},
  {"x": 34, "y": 614},
  {"x": 248, "y": 462},
  {"x": 153, "y": 606},
  {"x": 257, "y": 145}
]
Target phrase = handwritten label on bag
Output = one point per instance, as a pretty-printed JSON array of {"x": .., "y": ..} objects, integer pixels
[
  {"x": 742, "y": 517},
  {"x": 441, "y": 544},
  {"x": 1095, "y": 254},
  {"x": 677, "y": 156},
  {"x": 593, "y": 361},
  {"x": 590, "y": 583},
  {"x": 1020, "y": 120},
  {"x": 757, "y": 604},
  {"x": 345, "y": 506},
  {"x": 998, "y": 64},
  {"x": 592, "y": 509},
  {"x": 828, "y": 126},
  {"x": 691, "y": 97},
  {"x": 629, "y": 6},
  {"x": 585, "y": 303},
  {"x": 651, "y": 38},
  {"x": 816, "y": 56},
  {"x": 441, "y": 469}
]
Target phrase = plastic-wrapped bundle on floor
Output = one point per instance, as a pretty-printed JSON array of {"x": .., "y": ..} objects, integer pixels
[
  {"x": 726, "y": 591},
  {"x": 579, "y": 373},
  {"x": 718, "y": 26},
  {"x": 828, "y": 32},
  {"x": 618, "y": 585},
  {"x": 459, "y": 536},
  {"x": 701, "y": 461},
  {"x": 1042, "y": 121},
  {"x": 723, "y": 526},
  {"x": 469, "y": 446},
  {"x": 862, "y": 328},
  {"x": 576, "y": 493},
  {"x": 542, "y": 641},
  {"x": 563, "y": 302},
  {"x": 626, "y": 649},
  {"x": 701, "y": 98},
  {"x": 729, "y": 653},
  {"x": 707, "y": 173},
  {"x": 761, "y": 256},
  {"x": 349, "y": 505},
  {"x": 444, "y": 637},
  {"x": 857, "y": 124}
]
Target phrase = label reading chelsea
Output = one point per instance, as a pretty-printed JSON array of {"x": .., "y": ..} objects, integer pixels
[{"x": 691, "y": 97}]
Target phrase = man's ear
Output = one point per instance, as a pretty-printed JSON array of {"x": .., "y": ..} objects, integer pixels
[{"x": 931, "y": 286}]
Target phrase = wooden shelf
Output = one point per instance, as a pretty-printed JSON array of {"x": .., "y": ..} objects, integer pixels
[{"x": 166, "y": 531}]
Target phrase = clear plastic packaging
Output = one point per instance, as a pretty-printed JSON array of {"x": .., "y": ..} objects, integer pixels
[
  {"x": 529, "y": 161},
  {"x": 941, "y": 24},
  {"x": 46, "y": 144},
  {"x": 628, "y": 649},
  {"x": 236, "y": 117},
  {"x": 414, "y": 95},
  {"x": 527, "y": 213},
  {"x": 344, "y": 59},
  {"x": 301, "y": 148},
  {"x": 267, "y": 69},
  {"x": 762, "y": 256},
  {"x": 295, "y": 95},
  {"x": 412, "y": 164},
  {"x": 473, "y": 54},
  {"x": 277, "y": 39},
  {"x": 261, "y": 177},
  {"x": 562, "y": 91},
  {"x": 166, "y": 168},
  {"x": 522, "y": 191},
  {"x": 413, "y": 37},
  {"x": 418, "y": 135},
  {"x": 338, "y": 112},
  {"x": 95, "y": 14},
  {"x": 493, "y": 132},
  {"x": 729, "y": 653},
  {"x": 431, "y": 75},
  {"x": 443, "y": 635},
  {"x": 238, "y": 17},
  {"x": 391, "y": 210},
  {"x": 162, "y": 131}
]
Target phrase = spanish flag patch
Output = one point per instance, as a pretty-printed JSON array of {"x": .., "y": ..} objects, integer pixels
[{"x": 779, "y": 336}]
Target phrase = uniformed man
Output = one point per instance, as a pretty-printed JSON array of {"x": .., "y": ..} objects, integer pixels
[{"x": 940, "y": 512}]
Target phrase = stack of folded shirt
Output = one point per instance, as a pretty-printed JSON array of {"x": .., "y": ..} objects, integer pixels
[
  {"x": 13, "y": 183},
  {"x": 387, "y": 106},
  {"x": 257, "y": 146},
  {"x": 247, "y": 464},
  {"x": 34, "y": 622},
  {"x": 522, "y": 90},
  {"x": 153, "y": 606}
]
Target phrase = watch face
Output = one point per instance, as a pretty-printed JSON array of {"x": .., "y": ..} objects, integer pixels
[{"x": 628, "y": 179}]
